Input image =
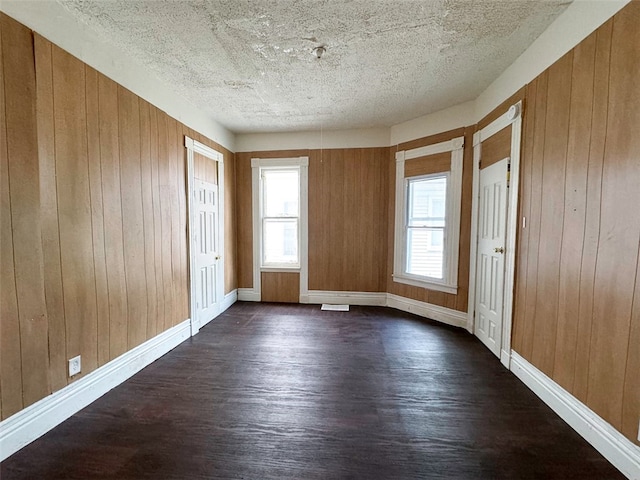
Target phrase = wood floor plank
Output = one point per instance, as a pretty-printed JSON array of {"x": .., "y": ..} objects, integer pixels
[{"x": 290, "y": 392}]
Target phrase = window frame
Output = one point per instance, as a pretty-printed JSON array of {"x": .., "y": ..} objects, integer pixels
[
  {"x": 303, "y": 240},
  {"x": 263, "y": 218},
  {"x": 453, "y": 203}
]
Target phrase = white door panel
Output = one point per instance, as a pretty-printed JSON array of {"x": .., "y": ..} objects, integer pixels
[
  {"x": 492, "y": 216},
  {"x": 207, "y": 258}
]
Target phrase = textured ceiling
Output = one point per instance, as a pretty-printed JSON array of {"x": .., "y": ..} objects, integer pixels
[{"x": 249, "y": 63}]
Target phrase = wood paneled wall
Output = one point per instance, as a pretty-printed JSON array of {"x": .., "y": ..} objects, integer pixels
[
  {"x": 348, "y": 195},
  {"x": 577, "y": 306},
  {"x": 93, "y": 212},
  {"x": 281, "y": 287},
  {"x": 458, "y": 301}
]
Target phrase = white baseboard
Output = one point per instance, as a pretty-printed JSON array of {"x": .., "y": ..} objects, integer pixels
[
  {"x": 248, "y": 295},
  {"x": 34, "y": 421},
  {"x": 434, "y": 312},
  {"x": 228, "y": 300},
  {"x": 349, "y": 298},
  {"x": 614, "y": 446}
]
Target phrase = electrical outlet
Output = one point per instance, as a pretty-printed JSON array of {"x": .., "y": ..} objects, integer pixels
[{"x": 75, "y": 365}]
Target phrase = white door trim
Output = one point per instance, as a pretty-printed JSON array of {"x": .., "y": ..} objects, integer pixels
[
  {"x": 512, "y": 117},
  {"x": 193, "y": 146}
]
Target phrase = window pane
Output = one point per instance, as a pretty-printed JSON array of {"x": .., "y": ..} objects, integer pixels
[
  {"x": 280, "y": 241},
  {"x": 427, "y": 202},
  {"x": 424, "y": 252},
  {"x": 280, "y": 190}
]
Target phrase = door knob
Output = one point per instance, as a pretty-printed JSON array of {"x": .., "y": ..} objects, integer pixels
[
  {"x": 218, "y": 257},
  {"x": 498, "y": 250}
]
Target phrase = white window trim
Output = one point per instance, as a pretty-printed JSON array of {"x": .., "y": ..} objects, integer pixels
[
  {"x": 256, "y": 165},
  {"x": 454, "y": 203}
]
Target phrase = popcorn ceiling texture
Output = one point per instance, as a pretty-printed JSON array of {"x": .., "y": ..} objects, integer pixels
[{"x": 248, "y": 63}]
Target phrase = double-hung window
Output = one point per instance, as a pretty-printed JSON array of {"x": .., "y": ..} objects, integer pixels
[
  {"x": 280, "y": 216},
  {"x": 427, "y": 223},
  {"x": 279, "y": 210}
]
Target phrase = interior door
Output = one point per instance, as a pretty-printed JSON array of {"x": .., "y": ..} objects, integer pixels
[
  {"x": 492, "y": 216},
  {"x": 207, "y": 258}
]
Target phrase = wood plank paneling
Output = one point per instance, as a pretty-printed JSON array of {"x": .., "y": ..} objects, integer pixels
[
  {"x": 574, "y": 211},
  {"x": 54, "y": 295},
  {"x": 347, "y": 220},
  {"x": 522, "y": 245},
  {"x": 619, "y": 226},
  {"x": 74, "y": 204},
  {"x": 205, "y": 169},
  {"x": 133, "y": 221},
  {"x": 552, "y": 211},
  {"x": 496, "y": 148},
  {"x": 97, "y": 214},
  {"x": 280, "y": 287},
  {"x": 23, "y": 174},
  {"x": 146, "y": 183},
  {"x": 230, "y": 223},
  {"x": 92, "y": 191},
  {"x": 537, "y": 155},
  {"x": 181, "y": 192},
  {"x": 579, "y": 319},
  {"x": 440, "y": 162},
  {"x": 113, "y": 223},
  {"x": 10, "y": 355},
  {"x": 156, "y": 324},
  {"x": 592, "y": 208},
  {"x": 165, "y": 214},
  {"x": 245, "y": 219}
]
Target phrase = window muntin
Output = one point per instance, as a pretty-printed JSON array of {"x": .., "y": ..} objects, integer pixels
[
  {"x": 280, "y": 208},
  {"x": 425, "y": 226}
]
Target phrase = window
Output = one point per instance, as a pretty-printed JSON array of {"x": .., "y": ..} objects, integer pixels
[
  {"x": 427, "y": 225},
  {"x": 280, "y": 216},
  {"x": 279, "y": 204}
]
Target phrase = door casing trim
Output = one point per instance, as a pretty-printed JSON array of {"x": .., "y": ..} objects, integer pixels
[{"x": 512, "y": 117}]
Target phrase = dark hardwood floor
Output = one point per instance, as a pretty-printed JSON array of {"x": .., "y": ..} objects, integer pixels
[{"x": 290, "y": 392}]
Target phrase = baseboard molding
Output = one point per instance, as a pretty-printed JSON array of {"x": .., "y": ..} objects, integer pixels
[
  {"x": 34, "y": 421},
  {"x": 248, "y": 295},
  {"x": 614, "y": 446},
  {"x": 350, "y": 298},
  {"x": 228, "y": 300},
  {"x": 428, "y": 310}
]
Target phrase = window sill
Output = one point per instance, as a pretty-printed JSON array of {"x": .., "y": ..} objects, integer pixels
[
  {"x": 439, "y": 287},
  {"x": 292, "y": 269}
]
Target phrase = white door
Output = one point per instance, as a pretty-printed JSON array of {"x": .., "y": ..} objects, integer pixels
[
  {"x": 492, "y": 216},
  {"x": 207, "y": 251}
]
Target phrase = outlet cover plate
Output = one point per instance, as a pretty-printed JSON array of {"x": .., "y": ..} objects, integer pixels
[{"x": 75, "y": 366}]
